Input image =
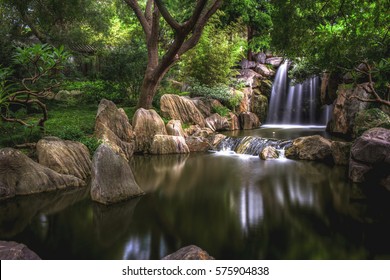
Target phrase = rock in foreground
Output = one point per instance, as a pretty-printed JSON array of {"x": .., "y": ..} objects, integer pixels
[
  {"x": 370, "y": 157},
  {"x": 20, "y": 175},
  {"x": 65, "y": 157},
  {"x": 191, "y": 252},
  {"x": 10, "y": 250},
  {"x": 310, "y": 148},
  {"x": 112, "y": 179}
]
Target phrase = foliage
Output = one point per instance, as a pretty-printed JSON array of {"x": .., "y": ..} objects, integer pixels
[
  {"x": 94, "y": 91},
  {"x": 220, "y": 92},
  {"x": 368, "y": 119},
  {"x": 58, "y": 22},
  {"x": 255, "y": 15},
  {"x": 221, "y": 110},
  {"x": 126, "y": 64},
  {"x": 219, "y": 49},
  {"x": 41, "y": 67},
  {"x": 332, "y": 34}
]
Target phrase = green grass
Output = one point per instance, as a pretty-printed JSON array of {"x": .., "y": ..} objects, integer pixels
[{"x": 76, "y": 123}]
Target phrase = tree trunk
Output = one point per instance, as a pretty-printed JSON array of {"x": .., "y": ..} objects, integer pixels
[
  {"x": 250, "y": 36},
  {"x": 148, "y": 90}
]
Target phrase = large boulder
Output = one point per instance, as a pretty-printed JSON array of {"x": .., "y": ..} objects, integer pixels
[
  {"x": 346, "y": 107},
  {"x": 260, "y": 57},
  {"x": 310, "y": 148},
  {"x": 20, "y": 175},
  {"x": 249, "y": 120},
  {"x": 370, "y": 157},
  {"x": 198, "y": 144},
  {"x": 147, "y": 124},
  {"x": 370, "y": 118},
  {"x": 10, "y": 250},
  {"x": 191, "y": 252},
  {"x": 112, "y": 179},
  {"x": 180, "y": 108},
  {"x": 206, "y": 105},
  {"x": 65, "y": 157},
  {"x": 168, "y": 144},
  {"x": 113, "y": 127},
  {"x": 217, "y": 123}
]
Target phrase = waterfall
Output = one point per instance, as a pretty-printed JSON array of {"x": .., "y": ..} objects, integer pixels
[
  {"x": 293, "y": 103},
  {"x": 250, "y": 145}
]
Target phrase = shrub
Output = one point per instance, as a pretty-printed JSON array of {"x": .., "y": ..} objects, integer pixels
[{"x": 221, "y": 110}]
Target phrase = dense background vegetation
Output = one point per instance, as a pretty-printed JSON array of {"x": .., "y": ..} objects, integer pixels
[{"x": 105, "y": 54}]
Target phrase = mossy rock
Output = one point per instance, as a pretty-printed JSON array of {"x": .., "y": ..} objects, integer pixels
[{"x": 368, "y": 119}]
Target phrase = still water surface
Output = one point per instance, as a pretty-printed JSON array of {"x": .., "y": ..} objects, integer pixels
[{"x": 234, "y": 207}]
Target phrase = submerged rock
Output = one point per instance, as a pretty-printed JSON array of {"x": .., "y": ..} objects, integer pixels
[
  {"x": 147, "y": 124},
  {"x": 269, "y": 152},
  {"x": 20, "y": 175},
  {"x": 112, "y": 178},
  {"x": 370, "y": 157},
  {"x": 113, "y": 127},
  {"x": 10, "y": 250},
  {"x": 191, "y": 252},
  {"x": 65, "y": 157}
]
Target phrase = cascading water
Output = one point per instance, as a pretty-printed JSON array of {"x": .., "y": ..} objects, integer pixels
[
  {"x": 250, "y": 145},
  {"x": 290, "y": 105},
  {"x": 294, "y": 104}
]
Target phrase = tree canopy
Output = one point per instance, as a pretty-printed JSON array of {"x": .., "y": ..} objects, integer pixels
[{"x": 332, "y": 34}]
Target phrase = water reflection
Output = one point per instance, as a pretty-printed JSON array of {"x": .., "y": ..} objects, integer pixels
[{"x": 233, "y": 207}]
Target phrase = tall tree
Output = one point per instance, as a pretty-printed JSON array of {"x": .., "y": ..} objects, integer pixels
[
  {"x": 256, "y": 16},
  {"x": 187, "y": 29}
]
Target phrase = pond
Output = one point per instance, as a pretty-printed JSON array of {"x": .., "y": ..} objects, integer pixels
[{"x": 233, "y": 206}]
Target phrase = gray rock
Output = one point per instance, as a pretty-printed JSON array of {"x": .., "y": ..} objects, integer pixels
[
  {"x": 310, "y": 148},
  {"x": 198, "y": 144},
  {"x": 112, "y": 178},
  {"x": 217, "y": 123},
  {"x": 113, "y": 127},
  {"x": 274, "y": 61},
  {"x": 269, "y": 152},
  {"x": 147, "y": 124},
  {"x": 20, "y": 175},
  {"x": 249, "y": 120},
  {"x": 168, "y": 144},
  {"x": 264, "y": 71},
  {"x": 370, "y": 157},
  {"x": 10, "y": 250},
  {"x": 65, "y": 157},
  {"x": 345, "y": 109},
  {"x": 181, "y": 108}
]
